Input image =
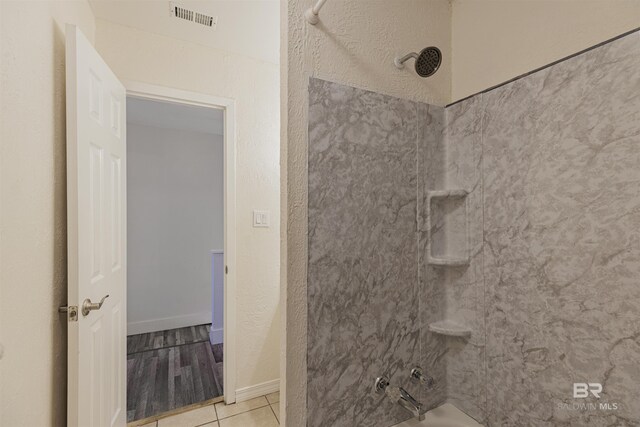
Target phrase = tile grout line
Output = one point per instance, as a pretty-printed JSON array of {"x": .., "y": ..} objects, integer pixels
[
  {"x": 209, "y": 422},
  {"x": 248, "y": 410},
  {"x": 218, "y": 419},
  {"x": 274, "y": 412},
  {"x": 216, "y": 412}
]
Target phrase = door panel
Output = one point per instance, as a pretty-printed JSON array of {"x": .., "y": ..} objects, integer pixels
[
  {"x": 116, "y": 218},
  {"x": 118, "y": 385},
  {"x": 96, "y": 211}
]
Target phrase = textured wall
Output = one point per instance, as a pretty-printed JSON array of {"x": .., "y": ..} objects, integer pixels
[
  {"x": 356, "y": 42},
  {"x": 363, "y": 287},
  {"x": 493, "y": 41},
  {"x": 150, "y": 58},
  {"x": 33, "y": 244}
]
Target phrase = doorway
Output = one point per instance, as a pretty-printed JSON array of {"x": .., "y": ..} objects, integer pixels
[{"x": 180, "y": 243}]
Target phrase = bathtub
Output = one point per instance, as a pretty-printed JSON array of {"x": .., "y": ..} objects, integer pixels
[{"x": 445, "y": 415}]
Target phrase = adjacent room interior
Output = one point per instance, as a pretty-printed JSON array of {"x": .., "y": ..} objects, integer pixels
[{"x": 175, "y": 213}]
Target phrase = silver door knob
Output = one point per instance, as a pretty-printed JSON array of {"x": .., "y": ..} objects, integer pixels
[{"x": 87, "y": 305}]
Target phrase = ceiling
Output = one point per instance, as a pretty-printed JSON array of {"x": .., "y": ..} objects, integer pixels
[
  {"x": 247, "y": 27},
  {"x": 168, "y": 115}
]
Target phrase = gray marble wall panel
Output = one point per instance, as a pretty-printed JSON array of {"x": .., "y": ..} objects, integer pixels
[
  {"x": 464, "y": 285},
  {"x": 562, "y": 240},
  {"x": 431, "y": 156},
  {"x": 363, "y": 309},
  {"x": 431, "y": 174}
]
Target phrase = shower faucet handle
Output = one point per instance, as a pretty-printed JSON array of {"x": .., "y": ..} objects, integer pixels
[
  {"x": 418, "y": 376},
  {"x": 381, "y": 384}
]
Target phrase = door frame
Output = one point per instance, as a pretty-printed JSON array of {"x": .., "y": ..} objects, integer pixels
[{"x": 228, "y": 105}]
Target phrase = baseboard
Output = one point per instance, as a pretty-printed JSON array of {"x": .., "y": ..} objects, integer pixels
[
  {"x": 216, "y": 336},
  {"x": 257, "y": 390},
  {"x": 162, "y": 324}
]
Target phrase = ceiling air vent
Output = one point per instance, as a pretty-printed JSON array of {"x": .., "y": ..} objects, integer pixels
[
  {"x": 206, "y": 20},
  {"x": 193, "y": 16}
]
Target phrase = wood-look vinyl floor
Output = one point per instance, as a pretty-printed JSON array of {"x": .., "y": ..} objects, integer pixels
[
  {"x": 168, "y": 338},
  {"x": 170, "y": 369}
]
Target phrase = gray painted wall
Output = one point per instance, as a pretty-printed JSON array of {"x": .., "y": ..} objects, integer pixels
[{"x": 175, "y": 218}]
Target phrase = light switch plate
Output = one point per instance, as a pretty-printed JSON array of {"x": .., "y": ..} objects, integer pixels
[{"x": 261, "y": 218}]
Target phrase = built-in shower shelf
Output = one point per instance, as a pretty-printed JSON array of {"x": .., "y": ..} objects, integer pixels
[
  {"x": 450, "y": 328},
  {"x": 453, "y": 262},
  {"x": 457, "y": 192},
  {"x": 448, "y": 243}
]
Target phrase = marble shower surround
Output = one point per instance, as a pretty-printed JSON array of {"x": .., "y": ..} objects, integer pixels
[
  {"x": 552, "y": 292},
  {"x": 561, "y": 185},
  {"x": 463, "y": 287},
  {"x": 554, "y": 160},
  {"x": 363, "y": 286}
]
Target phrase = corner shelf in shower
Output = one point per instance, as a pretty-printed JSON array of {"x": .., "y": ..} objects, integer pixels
[
  {"x": 449, "y": 328},
  {"x": 451, "y": 262},
  {"x": 448, "y": 242}
]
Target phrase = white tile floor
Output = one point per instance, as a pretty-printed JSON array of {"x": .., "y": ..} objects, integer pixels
[{"x": 259, "y": 412}]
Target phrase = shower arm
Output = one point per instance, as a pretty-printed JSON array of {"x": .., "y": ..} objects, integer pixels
[
  {"x": 399, "y": 61},
  {"x": 311, "y": 14}
]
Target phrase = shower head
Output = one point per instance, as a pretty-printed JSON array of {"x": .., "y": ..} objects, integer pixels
[{"x": 427, "y": 61}]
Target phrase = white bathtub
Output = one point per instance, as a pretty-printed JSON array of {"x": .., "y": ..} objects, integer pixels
[{"x": 445, "y": 415}]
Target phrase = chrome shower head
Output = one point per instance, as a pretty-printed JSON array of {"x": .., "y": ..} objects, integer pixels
[{"x": 427, "y": 61}]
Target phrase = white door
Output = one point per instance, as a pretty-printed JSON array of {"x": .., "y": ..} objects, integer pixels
[{"x": 96, "y": 221}]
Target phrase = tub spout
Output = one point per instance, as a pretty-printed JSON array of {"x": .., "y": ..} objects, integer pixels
[
  {"x": 402, "y": 397},
  {"x": 409, "y": 403}
]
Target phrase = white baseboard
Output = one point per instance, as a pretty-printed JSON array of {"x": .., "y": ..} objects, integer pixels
[
  {"x": 257, "y": 390},
  {"x": 216, "y": 336},
  {"x": 162, "y": 324}
]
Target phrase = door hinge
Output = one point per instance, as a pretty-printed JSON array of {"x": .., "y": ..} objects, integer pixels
[
  {"x": 226, "y": 269},
  {"x": 72, "y": 312}
]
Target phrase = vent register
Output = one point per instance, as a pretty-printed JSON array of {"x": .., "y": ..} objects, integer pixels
[{"x": 193, "y": 16}]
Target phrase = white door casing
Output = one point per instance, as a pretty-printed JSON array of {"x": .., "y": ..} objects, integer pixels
[
  {"x": 166, "y": 94},
  {"x": 96, "y": 227}
]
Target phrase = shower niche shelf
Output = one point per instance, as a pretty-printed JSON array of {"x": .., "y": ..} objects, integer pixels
[
  {"x": 449, "y": 328},
  {"x": 448, "y": 242}
]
